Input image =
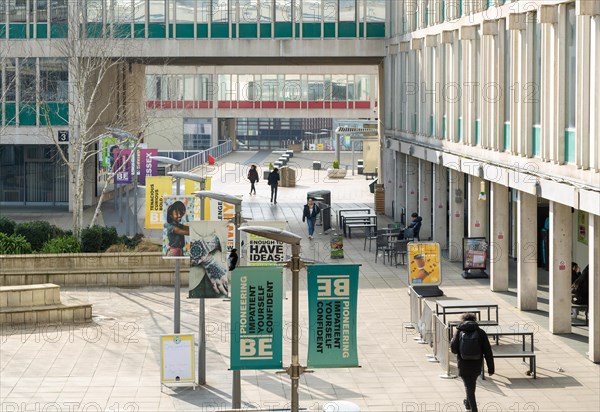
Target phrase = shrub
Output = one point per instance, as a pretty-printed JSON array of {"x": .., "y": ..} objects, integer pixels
[
  {"x": 148, "y": 246},
  {"x": 7, "y": 226},
  {"x": 270, "y": 166},
  {"x": 37, "y": 232},
  {"x": 63, "y": 244},
  {"x": 98, "y": 238},
  {"x": 14, "y": 245},
  {"x": 336, "y": 164},
  {"x": 130, "y": 242},
  {"x": 119, "y": 247}
]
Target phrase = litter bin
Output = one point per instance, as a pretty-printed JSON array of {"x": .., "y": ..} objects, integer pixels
[
  {"x": 340, "y": 406},
  {"x": 372, "y": 186},
  {"x": 324, "y": 205}
]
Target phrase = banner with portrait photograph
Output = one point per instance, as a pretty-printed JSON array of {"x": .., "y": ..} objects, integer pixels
[
  {"x": 209, "y": 277},
  {"x": 256, "y": 317},
  {"x": 332, "y": 301},
  {"x": 156, "y": 188},
  {"x": 178, "y": 211},
  {"x": 475, "y": 253},
  {"x": 424, "y": 263}
]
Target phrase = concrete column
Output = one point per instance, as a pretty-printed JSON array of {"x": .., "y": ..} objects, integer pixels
[
  {"x": 594, "y": 279},
  {"x": 389, "y": 164},
  {"x": 499, "y": 249},
  {"x": 457, "y": 215},
  {"x": 440, "y": 208},
  {"x": 477, "y": 209},
  {"x": 560, "y": 265},
  {"x": 412, "y": 186},
  {"x": 400, "y": 185},
  {"x": 214, "y": 136},
  {"x": 425, "y": 195},
  {"x": 526, "y": 251}
]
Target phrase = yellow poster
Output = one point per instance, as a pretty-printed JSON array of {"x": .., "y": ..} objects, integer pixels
[
  {"x": 156, "y": 188},
  {"x": 192, "y": 186},
  {"x": 424, "y": 261}
]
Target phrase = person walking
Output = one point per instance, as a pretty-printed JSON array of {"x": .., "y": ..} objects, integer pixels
[
  {"x": 309, "y": 214},
  {"x": 273, "y": 181},
  {"x": 253, "y": 178},
  {"x": 471, "y": 345}
]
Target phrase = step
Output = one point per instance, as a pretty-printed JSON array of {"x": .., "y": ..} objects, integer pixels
[
  {"x": 72, "y": 311},
  {"x": 25, "y": 296}
]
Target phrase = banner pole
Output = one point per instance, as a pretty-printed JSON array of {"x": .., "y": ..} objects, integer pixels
[
  {"x": 201, "y": 318},
  {"x": 295, "y": 367},
  {"x": 177, "y": 315},
  {"x": 236, "y": 390}
]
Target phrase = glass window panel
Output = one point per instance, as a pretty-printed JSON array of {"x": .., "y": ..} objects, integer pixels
[
  {"x": 283, "y": 10},
  {"x": 139, "y": 11},
  {"x": 27, "y": 80},
  {"x": 151, "y": 87},
  {"x": 246, "y": 87},
  {"x": 203, "y": 87},
  {"x": 248, "y": 11},
  {"x": 311, "y": 11},
  {"x": 330, "y": 10},
  {"x": 266, "y": 11},
  {"x": 292, "y": 88},
  {"x": 58, "y": 11},
  {"x": 351, "y": 87},
  {"x": 157, "y": 11},
  {"x": 571, "y": 57},
  {"x": 537, "y": 71},
  {"x": 185, "y": 11},
  {"x": 339, "y": 87},
  {"x": 269, "y": 87},
  {"x": 94, "y": 11},
  {"x": 507, "y": 80},
  {"x": 54, "y": 79},
  {"x": 362, "y": 87},
  {"x": 224, "y": 83},
  {"x": 315, "y": 87},
  {"x": 17, "y": 11},
  {"x": 347, "y": 10},
  {"x": 220, "y": 11},
  {"x": 188, "y": 87},
  {"x": 123, "y": 11},
  {"x": 11, "y": 79},
  {"x": 42, "y": 10},
  {"x": 203, "y": 13},
  {"x": 376, "y": 10}
]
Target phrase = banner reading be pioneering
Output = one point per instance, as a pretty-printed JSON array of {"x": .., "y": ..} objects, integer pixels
[
  {"x": 332, "y": 299},
  {"x": 256, "y": 317}
]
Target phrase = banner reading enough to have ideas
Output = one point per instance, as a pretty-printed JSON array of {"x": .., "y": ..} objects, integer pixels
[
  {"x": 332, "y": 300},
  {"x": 256, "y": 317}
]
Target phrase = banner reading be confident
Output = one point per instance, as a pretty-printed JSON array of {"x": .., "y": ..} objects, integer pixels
[
  {"x": 256, "y": 317},
  {"x": 332, "y": 297}
]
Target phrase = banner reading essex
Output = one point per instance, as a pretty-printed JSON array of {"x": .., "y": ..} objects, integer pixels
[
  {"x": 256, "y": 317},
  {"x": 156, "y": 188},
  {"x": 332, "y": 299}
]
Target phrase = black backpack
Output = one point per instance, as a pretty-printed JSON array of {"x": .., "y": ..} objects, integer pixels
[{"x": 470, "y": 346}]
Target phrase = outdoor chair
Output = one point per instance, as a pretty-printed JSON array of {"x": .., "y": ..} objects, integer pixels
[{"x": 382, "y": 244}]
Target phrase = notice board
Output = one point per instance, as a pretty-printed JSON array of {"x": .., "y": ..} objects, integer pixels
[{"x": 177, "y": 359}]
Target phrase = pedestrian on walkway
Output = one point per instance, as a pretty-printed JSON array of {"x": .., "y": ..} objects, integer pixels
[
  {"x": 253, "y": 178},
  {"x": 273, "y": 181},
  {"x": 309, "y": 214},
  {"x": 471, "y": 345}
]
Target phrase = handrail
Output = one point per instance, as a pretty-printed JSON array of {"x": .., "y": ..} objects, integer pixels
[{"x": 198, "y": 159}]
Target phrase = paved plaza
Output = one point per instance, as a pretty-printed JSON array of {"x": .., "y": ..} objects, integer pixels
[{"x": 113, "y": 363}]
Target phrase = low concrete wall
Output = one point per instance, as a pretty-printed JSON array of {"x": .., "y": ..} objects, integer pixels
[{"x": 136, "y": 269}]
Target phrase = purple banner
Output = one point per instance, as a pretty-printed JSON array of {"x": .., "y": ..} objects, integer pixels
[
  {"x": 123, "y": 174},
  {"x": 148, "y": 167}
]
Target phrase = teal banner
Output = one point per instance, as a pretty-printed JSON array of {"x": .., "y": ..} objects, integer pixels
[
  {"x": 256, "y": 317},
  {"x": 332, "y": 298}
]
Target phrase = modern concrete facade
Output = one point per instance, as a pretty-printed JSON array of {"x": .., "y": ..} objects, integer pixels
[{"x": 503, "y": 98}]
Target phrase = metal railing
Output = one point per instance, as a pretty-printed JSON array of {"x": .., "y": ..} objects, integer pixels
[
  {"x": 194, "y": 159},
  {"x": 415, "y": 308},
  {"x": 441, "y": 346},
  {"x": 425, "y": 323}
]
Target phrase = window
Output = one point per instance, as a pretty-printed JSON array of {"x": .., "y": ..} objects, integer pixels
[
  {"x": 27, "y": 80},
  {"x": 94, "y": 12},
  {"x": 139, "y": 11},
  {"x": 54, "y": 78},
  {"x": 11, "y": 80},
  {"x": 571, "y": 86},
  {"x": 315, "y": 87},
  {"x": 184, "y": 10},
  {"x": 248, "y": 12},
  {"x": 283, "y": 10},
  {"x": 42, "y": 10},
  {"x": 58, "y": 11},
  {"x": 362, "y": 87},
  {"x": 196, "y": 133},
  {"x": 157, "y": 11},
  {"x": 347, "y": 10},
  {"x": 220, "y": 11},
  {"x": 203, "y": 13},
  {"x": 311, "y": 11},
  {"x": 339, "y": 87},
  {"x": 17, "y": 11},
  {"x": 269, "y": 87},
  {"x": 123, "y": 11},
  {"x": 266, "y": 11}
]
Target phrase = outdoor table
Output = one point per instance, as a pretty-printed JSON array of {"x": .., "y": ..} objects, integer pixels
[
  {"x": 341, "y": 211},
  {"x": 442, "y": 307},
  {"x": 372, "y": 218},
  {"x": 524, "y": 331}
]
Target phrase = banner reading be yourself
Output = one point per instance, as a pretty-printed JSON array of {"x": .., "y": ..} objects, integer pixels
[
  {"x": 332, "y": 299},
  {"x": 256, "y": 317}
]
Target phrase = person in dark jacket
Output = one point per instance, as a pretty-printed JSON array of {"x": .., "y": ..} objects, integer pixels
[
  {"x": 469, "y": 369},
  {"x": 580, "y": 289},
  {"x": 415, "y": 225},
  {"x": 232, "y": 259},
  {"x": 273, "y": 181},
  {"x": 309, "y": 214},
  {"x": 253, "y": 178}
]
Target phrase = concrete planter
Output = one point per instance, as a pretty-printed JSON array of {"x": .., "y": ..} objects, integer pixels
[
  {"x": 336, "y": 173},
  {"x": 129, "y": 269}
]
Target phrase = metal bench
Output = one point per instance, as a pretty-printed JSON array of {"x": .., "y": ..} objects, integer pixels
[{"x": 518, "y": 354}]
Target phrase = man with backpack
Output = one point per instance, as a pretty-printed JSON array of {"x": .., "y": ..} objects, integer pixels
[{"x": 471, "y": 345}]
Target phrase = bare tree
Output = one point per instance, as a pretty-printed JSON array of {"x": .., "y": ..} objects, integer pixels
[{"x": 98, "y": 96}]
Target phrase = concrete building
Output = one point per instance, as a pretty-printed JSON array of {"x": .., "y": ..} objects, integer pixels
[{"x": 500, "y": 97}]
